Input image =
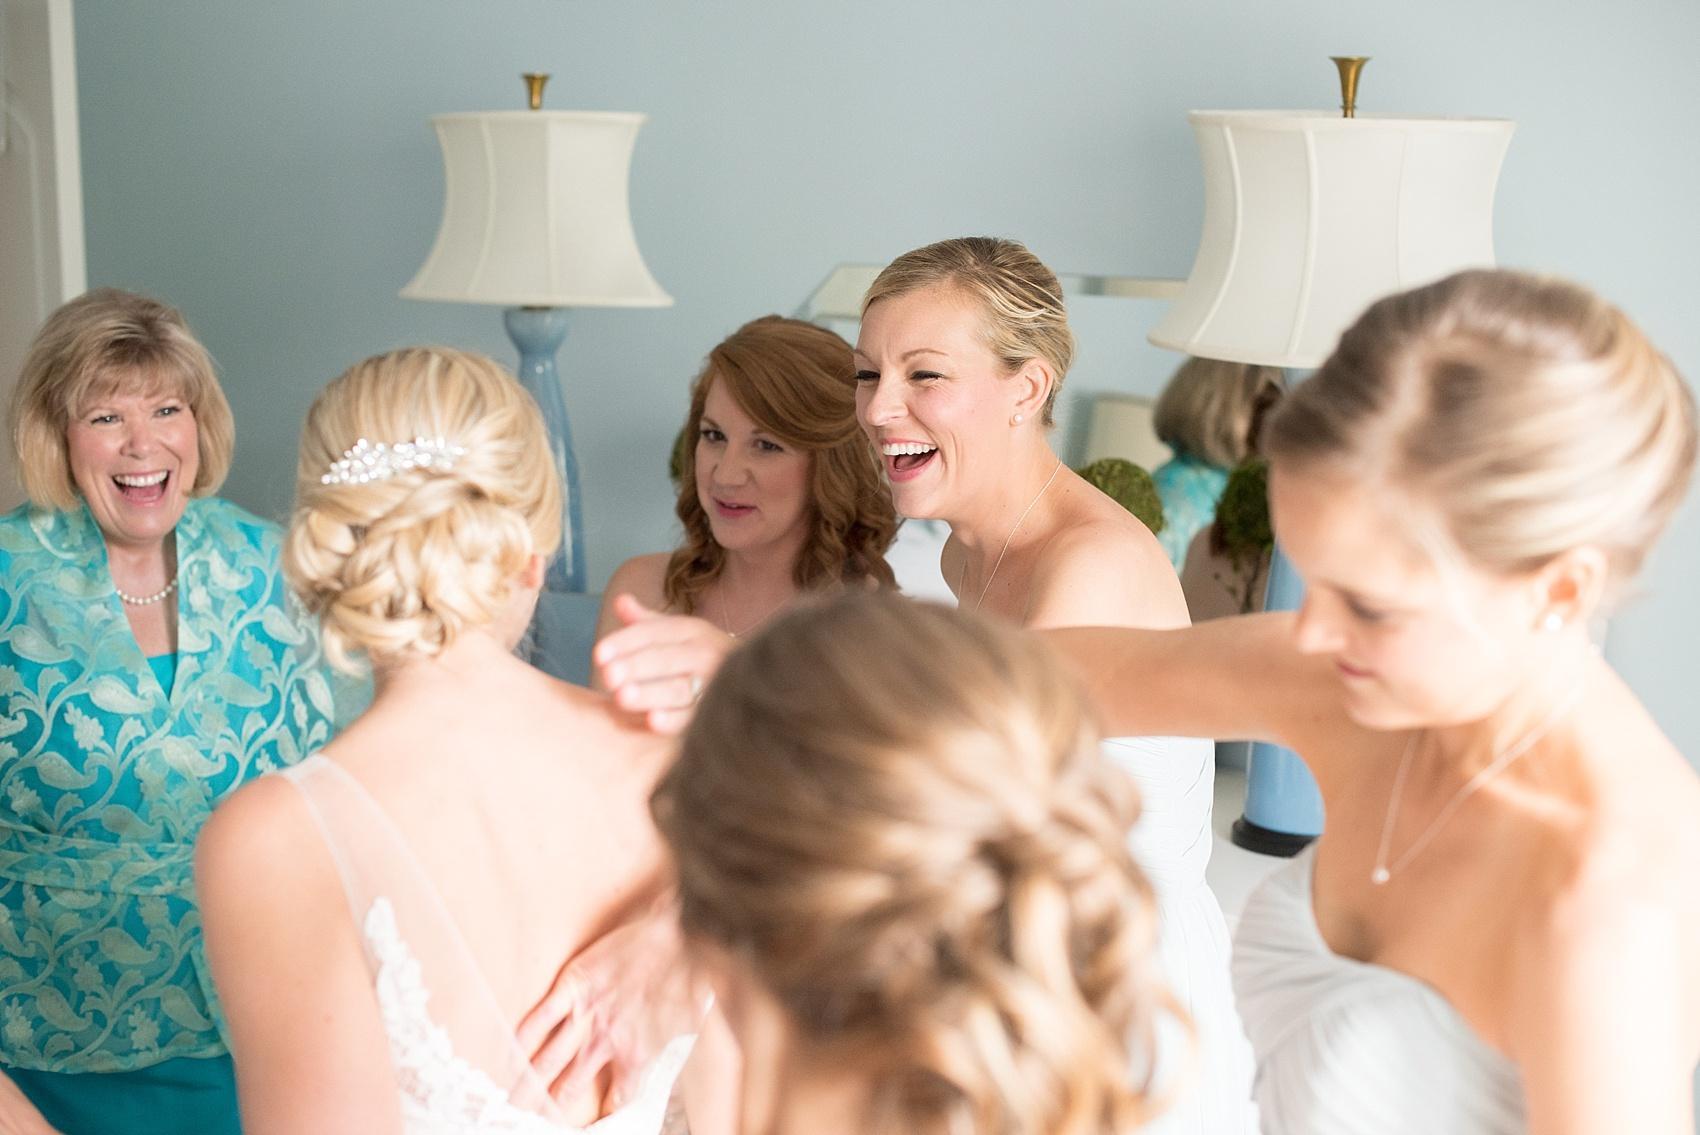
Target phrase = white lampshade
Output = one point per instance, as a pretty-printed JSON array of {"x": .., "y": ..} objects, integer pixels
[
  {"x": 1310, "y": 217},
  {"x": 535, "y": 213},
  {"x": 1123, "y": 426}
]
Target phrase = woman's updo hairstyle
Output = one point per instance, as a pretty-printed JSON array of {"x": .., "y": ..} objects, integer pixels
[
  {"x": 1019, "y": 299},
  {"x": 895, "y": 817},
  {"x": 410, "y": 561},
  {"x": 1533, "y": 417}
]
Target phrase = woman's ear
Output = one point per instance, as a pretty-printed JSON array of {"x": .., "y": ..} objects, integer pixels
[
  {"x": 1571, "y": 586},
  {"x": 1034, "y": 383},
  {"x": 531, "y": 575}
]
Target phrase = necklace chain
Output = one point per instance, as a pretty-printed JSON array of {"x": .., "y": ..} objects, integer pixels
[
  {"x": 726, "y": 612},
  {"x": 1502, "y": 760},
  {"x": 962, "y": 576},
  {"x": 147, "y": 600}
]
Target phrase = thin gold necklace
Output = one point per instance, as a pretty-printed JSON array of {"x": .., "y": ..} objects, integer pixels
[
  {"x": 962, "y": 576},
  {"x": 1501, "y": 761},
  {"x": 726, "y": 612}
]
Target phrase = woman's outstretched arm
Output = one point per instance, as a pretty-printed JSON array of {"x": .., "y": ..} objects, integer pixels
[{"x": 1239, "y": 679}]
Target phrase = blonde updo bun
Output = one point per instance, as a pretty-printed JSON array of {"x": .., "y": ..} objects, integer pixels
[
  {"x": 410, "y": 562},
  {"x": 896, "y": 818},
  {"x": 1530, "y": 414}
]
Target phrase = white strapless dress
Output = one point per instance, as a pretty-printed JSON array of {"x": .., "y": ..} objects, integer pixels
[
  {"x": 1346, "y": 1047},
  {"x": 1176, "y": 778}
]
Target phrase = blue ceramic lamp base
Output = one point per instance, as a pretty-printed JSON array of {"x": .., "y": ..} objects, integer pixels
[
  {"x": 1283, "y": 809},
  {"x": 537, "y": 332}
]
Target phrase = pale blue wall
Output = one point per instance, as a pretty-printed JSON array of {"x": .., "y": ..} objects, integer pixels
[{"x": 268, "y": 167}]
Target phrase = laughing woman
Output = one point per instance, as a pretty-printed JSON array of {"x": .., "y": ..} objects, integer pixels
[
  {"x": 963, "y": 347},
  {"x": 778, "y": 495},
  {"x": 150, "y": 664}
]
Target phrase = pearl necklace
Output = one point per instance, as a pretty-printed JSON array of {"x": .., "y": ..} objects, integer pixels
[
  {"x": 1384, "y": 871},
  {"x": 962, "y": 576},
  {"x": 147, "y": 600}
]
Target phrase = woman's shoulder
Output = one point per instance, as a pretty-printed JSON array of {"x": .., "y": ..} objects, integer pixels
[
  {"x": 256, "y": 833},
  {"x": 1608, "y": 938},
  {"x": 642, "y": 576},
  {"x": 1107, "y": 566}
]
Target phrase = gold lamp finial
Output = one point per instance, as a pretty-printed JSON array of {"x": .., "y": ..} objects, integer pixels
[
  {"x": 534, "y": 88},
  {"x": 1351, "y": 66}
]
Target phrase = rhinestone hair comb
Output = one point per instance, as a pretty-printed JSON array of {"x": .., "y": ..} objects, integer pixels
[{"x": 367, "y": 461}]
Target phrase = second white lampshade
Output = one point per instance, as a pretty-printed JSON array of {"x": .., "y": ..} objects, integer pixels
[
  {"x": 536, "y": 213},
  {"x": 1309, "y": 217}
]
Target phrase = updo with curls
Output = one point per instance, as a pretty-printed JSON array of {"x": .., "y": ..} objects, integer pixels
[
  {"x": 411, "y": 561},
  {"x": 1530, "y": 414},
  {"x": 895, "y": 817}
]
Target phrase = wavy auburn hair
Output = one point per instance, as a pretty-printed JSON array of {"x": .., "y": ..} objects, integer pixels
[{"x": 797, "y": 382}]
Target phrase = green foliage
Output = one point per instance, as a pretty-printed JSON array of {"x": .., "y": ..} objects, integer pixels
[
  {"x": 1129, "y": 486},
  {"x": 1242, "y": 531}
]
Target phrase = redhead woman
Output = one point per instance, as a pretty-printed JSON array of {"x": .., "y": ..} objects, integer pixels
[
  {"x": 1499, "y": 931},
  {"x": 778, "y": 494}
]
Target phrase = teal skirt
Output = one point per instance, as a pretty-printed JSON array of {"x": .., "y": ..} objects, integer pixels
[{"x": 170, "y": 1098}]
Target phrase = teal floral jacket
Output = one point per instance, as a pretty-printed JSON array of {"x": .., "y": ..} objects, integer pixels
[
  {"x": 106, "y": 779},
  {"x": 1190, "y": 489}
]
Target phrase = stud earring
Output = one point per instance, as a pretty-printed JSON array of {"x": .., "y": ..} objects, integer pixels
[
  {"x": 1553, "y": 622},
  {"x": 1018, "y": 419}
]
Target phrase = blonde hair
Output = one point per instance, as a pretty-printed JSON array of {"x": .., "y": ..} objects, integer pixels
[
  {"x": 1532, "y": 415},
  {"x": 102, "y": 342},
  {"x": 796, "y": 381},
  {"x": 1212, "y": 409},
  {"x": 1020, "y": 300},
  {"x": 896, "y": 816},
  {"x": 410, "y": 562}
]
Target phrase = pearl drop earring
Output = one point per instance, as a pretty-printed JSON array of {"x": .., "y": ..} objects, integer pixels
[
  {"x": 1018, "y": 419},
  {"x": 1553, "y": 622}
]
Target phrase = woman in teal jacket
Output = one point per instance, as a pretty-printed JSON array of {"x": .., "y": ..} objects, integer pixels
[{"x": 151, "y": 662}]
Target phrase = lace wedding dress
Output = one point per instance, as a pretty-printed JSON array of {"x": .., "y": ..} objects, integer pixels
[{"x": 457, "y": 1068}]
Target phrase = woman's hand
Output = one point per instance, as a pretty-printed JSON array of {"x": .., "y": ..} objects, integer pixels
[
  {"x": 18, "y": 1115},
  {"x": 657, "y": 665},
  {"x": 614, "y": 1006}
]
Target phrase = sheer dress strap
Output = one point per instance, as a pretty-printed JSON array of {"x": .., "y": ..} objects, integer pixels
[{"x": 415, "y": 952}]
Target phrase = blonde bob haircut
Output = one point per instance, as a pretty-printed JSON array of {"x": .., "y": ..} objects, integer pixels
[
  {"x": 894, "y": 819},
  {"x": 797, "y": 381},
  {"x": 1530, "y": 415},
  {"x": 408, "y": 563},
  {"x": 102, "y": 343},
  {"x": 1020, "y": 300},
  {"x": 1212, "y": 408}
]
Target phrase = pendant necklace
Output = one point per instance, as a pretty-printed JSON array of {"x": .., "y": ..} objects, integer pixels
[
  {"x": 962, "y": 576},
  {"x": 1502, "y": 760}
]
